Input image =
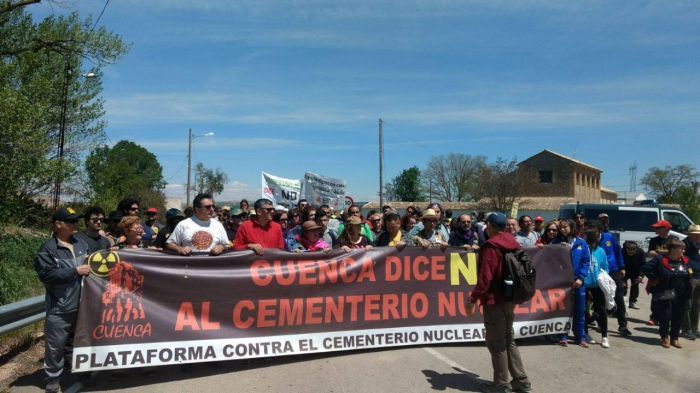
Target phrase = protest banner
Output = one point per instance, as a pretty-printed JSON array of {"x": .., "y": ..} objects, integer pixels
[
  {"x": 321, "y": 190},
  {"x": 281, "y": 191},
  {"x": 149, "y": 308}
]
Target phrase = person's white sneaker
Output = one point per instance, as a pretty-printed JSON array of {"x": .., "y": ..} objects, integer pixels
[{"x": 604, "y": 343}]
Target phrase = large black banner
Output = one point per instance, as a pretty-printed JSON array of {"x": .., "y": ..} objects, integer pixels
[{"x": 147, "y": 308}]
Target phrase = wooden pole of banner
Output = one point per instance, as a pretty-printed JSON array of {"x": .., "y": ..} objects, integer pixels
[{"x": 381, "y": 166}]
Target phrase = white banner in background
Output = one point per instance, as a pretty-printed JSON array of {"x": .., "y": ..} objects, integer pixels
[
  {"x": 281, "y": 191},
  {"x": 321, "y": 190}
]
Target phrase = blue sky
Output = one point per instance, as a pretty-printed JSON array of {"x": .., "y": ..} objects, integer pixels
[{"x": 294, "y": 86}]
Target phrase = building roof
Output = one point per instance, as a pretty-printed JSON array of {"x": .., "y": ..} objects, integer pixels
[{"x": 564, "y": 157}]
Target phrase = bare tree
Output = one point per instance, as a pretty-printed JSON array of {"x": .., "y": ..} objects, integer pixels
[
  {"x": 501, "y": 184},
  {"x": 453, "y": 177}
]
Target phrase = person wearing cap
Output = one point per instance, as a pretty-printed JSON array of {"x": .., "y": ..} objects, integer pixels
[
  {"x": 581, "y": 262},
  {"x": 352, "y": 237},
  {"x": 152, "y": 221},
  {"x": 428, "y": 235},
  {"x": 539, "y": 225},
  {"x": 235, "y": 217},
  {"x": 199, "y": 233},
  {"x": 172, "y": 218},
  {"x": 671, "y": 276},
  {"x": 261, "y": 232},
  {"x": 657, "y": 244},
  {"x": 692, "y": 251},
  {"x": 60, "y": 265},
  {"x": 93, "y": 235},
  {"x": 498, "y": 312},
  {"x": 608, "y": 242},
  {"x": 310, "y": 238}
]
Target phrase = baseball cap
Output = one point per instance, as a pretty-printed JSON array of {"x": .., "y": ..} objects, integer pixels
[
  {"x": 174, "y": 213},
  {"x": 539, "y": 219},
  {"x": 151, "y": 210},
  {"x": 662, "y": 224},
  {"x": 66, "y": 214},
  {"x": 603, "y": 215},
  {"x": 497, "y": 219}
]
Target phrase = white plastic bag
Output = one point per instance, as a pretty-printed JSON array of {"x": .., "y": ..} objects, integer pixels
[{"x": 607, "y": 284}]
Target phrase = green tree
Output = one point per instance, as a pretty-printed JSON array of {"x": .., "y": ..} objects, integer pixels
[
  {"x": 41, "y": 63},
  {"x": 126, "y": 169},
  {"x": 453, "y": 177},
  {"x": 687, "y": 196},
  {"x": 406, "y": 186},
  {"x": 664, "y": 184},
  {"x": 211, "y": 181}
]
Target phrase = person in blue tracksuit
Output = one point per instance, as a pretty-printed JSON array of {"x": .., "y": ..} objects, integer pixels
[
  {"x": 599, "y": 262},
  {"x": 612, "y": 248},
  {"x": 581, "y": 260}
]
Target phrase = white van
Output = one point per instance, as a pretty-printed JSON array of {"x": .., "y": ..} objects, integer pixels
[{"x": 632, "y": 222}]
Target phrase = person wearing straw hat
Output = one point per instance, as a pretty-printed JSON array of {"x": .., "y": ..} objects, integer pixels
[
  {"x": 428, "y": 236},
  {"x": 352, "y": 237}
]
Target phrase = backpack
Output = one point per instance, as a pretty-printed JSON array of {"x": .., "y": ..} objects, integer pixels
[{"x": 518, "y": 277}]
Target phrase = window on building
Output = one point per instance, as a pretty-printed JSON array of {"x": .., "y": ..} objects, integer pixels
[{"x": 545, "y": 176}]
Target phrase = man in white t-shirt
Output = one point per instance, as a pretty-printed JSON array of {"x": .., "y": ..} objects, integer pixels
[{"x": 199, "y": 233}]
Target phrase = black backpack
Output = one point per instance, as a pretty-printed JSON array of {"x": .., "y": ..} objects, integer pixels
[{"x": 518, "y": 277}]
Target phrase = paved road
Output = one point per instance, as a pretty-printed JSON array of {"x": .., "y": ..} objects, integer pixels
[{"x": 636, "y": 364}]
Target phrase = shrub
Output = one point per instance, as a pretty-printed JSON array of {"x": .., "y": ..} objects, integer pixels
[{"x": 18, "y": 248}]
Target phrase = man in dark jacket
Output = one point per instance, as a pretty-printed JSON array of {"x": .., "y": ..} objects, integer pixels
[
  {"x": 60, "y": 266},
  {"x": 498, "y": 312}
]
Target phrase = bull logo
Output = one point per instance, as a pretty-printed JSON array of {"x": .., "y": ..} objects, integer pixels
[
  {"x": 122, "y": 300},
  {"x": 102, "y": 262}
]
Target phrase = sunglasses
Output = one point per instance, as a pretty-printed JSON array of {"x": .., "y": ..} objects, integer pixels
[
  {"x": 133, "y": 209},
  {"x": 208, "y": 207},
  {"x": 96, "y": 220},
  {"x": 269, "y": 209}
]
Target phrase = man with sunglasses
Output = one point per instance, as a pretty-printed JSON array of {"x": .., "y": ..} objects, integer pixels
[
  {"x": 94, "y": 235},
  {"x": 130, "y": 207},
  {"x": 199, "y": 234},
  {"x": 261, "y": 232},
  {"x": 463, "y": 235},
  {"x": 60, "y": 265}
]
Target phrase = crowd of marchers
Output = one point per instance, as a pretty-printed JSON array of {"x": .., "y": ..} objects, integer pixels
[{"x": 603, "y": 270}]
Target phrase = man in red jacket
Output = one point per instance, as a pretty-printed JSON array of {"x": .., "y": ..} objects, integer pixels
[
  {"x": 498, "y": 312},
  {"x": 261, "y": 232}
]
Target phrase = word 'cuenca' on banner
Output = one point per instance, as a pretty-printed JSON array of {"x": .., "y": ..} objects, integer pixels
[{"x": 152, "y": 308}]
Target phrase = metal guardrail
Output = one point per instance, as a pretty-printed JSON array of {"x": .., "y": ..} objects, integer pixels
[{"x": 22, "y": 313}]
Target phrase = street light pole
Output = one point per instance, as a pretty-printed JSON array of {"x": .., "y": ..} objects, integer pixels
[
  {"x": 189, "y": 166},
  {"x": 190, "y": 138},
  {"x": 61, "y": 137}
]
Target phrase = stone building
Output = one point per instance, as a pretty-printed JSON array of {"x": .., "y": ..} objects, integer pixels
[{"x": 553, "y": 179}]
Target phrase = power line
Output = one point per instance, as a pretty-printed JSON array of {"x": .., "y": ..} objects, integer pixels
[
  {"x": 409, "y": 138},
  {"x": 100, "y": 16}
]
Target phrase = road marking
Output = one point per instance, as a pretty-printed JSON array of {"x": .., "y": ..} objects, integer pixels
[{"x": 445, "y": 359}]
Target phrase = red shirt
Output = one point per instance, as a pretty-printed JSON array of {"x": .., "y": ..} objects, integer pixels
[{"x": 250, "y": 232}]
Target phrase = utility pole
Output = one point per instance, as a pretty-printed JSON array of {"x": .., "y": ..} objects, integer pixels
[
  {"x": 62, "y": 137},
  {"x": 189, "y": 167},
  {"x": 430, "y": 191},
  {"x": 381, "y": 166}
]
